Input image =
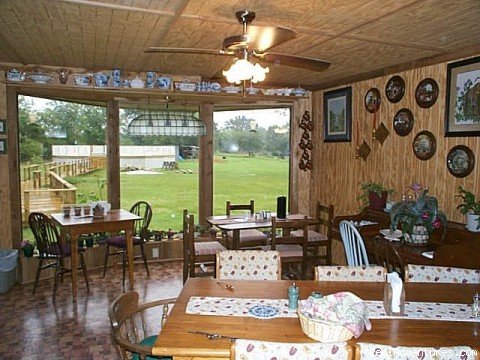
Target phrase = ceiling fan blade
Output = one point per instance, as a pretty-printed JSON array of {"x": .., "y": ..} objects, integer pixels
[
  {"x": 291, "y": 60},
  {"x": 159, "y": 49},
  {"x": 266, "y": 37}
]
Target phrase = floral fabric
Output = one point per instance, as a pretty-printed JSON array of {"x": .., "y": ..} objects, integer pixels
[
  {"x": 248, "y": 265},
  {"x": 342, "y": 308},
  {"x": 369, "y": 351},
  {"x": 441, "y": 274},
  {"x": 350, "y": 273},
  {"x": 265, "y": 350}
]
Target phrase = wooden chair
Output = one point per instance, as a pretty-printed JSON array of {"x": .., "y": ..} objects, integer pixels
[
  {"x": 130, "y": 328},
  {"x": 244, "y": 349},
  {"x": 248, "y": 237},
  {"x": 248, "y": 265},
  {"x": 370, "y": 351},
  {"x": 387, "y": 256},
  {"x": 292, "y": 249},
  {"x": 196, "y": 252},
  {"x": 441, "y": 274},
  {"x": 140, "y": 236},
  {"x": 351, "y": 273},
  {"x": 320, "y": 240},
  {"x": 355, "y": 251},
  {"x": 51, "y": 250}
]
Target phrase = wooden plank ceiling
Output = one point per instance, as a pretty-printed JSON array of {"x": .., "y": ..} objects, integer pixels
[{"x": 360, "y": 39}]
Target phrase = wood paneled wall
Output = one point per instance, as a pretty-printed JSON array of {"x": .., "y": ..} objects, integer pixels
[
  {"x": 337, "y": 175},
  {"x": 5, "y": 229}
]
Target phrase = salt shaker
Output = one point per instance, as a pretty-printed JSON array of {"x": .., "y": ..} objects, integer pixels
[
  {"x": 476, "y": 305},
  {"x": 293, "y": 296}
]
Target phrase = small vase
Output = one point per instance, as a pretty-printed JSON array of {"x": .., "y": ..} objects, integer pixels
[
  {"x": 28, "y": 251},
  {"x": 419, "y": 236}
]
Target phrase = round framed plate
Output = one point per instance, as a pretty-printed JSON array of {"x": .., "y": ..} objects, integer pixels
[
  {"x": 460, "y": 161},
  {"x": 424, "y": 145},
  {"x": 395, "y": 89},
  {"x": 372, "y": 100},
  {"x": 263, "y": 311},
  {"x": 426, "y": 93},
  {"x": 403, "y": 122}
]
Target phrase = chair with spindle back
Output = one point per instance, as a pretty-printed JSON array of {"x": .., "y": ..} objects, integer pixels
[{"x": 355, "y": 251}]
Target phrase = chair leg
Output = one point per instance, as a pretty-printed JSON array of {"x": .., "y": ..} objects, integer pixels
[
  {"x": 61, "y": 268},
  {"x": 37, "y": 276},
  {"x": 58, "y": 272},
  {"x": 84, "y": 268},
  {"x": 107, "y": 249},
  {"x": 123, "y": 265},
  {"x": 144, "y": 259}
]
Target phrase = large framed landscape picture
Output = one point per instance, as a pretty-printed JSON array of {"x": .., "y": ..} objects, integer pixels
[
  {"x": 337, "y": 115},
  {"x": 462, "y": 106}
]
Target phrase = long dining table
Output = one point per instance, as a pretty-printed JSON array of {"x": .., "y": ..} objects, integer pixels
[
  {"x": 112, "y": 221},
  {"x": 178, "y": 337}
]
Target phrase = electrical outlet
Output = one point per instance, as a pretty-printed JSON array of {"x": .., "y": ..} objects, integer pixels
[{"x": 155, "y": 252}]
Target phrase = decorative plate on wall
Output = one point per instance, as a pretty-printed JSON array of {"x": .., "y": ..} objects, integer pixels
[
  {"x": 424, "y": 145},
  {"x": 460, "y": 161},
  {"x": 395, "y": 89},
  {"x": 403, "y": 122},
  {"x": 426, "y": 93},
  {"x": 372, "y": 100}
]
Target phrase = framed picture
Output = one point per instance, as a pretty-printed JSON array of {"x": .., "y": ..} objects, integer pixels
[
  {"x": 460, "y": 161},
  {"x": 3, "y": 146},
  {"x": 3, "y": 126},
  {"x": 337, "y": 115},
  {"x": 462, "y": 105},
  {"x": 424, "y": 145}
]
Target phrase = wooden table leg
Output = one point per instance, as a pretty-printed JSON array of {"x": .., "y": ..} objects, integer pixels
[
  {"x": 74, "y": 261},
  {"x": 128, "y": 235},
  {"x": 236, "y": 239}
]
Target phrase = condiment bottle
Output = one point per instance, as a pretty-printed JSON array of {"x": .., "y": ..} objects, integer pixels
[
  {"x": 293, "y": 296},
  {"x": 476, "y": 305}
]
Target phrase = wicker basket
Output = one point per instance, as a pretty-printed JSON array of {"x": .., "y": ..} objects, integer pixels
[{"x": 323, "y": 331}]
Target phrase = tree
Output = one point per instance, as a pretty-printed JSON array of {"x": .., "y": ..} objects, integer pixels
[{"x": 31, "y": 134}]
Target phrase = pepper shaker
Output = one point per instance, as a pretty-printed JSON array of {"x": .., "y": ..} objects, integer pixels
[
  {"x": 476, "y": 305},
  {"x": 293, "y": 296}
]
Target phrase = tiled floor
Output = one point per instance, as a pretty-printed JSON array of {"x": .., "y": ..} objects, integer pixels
[{"x": 33, "y": 327}]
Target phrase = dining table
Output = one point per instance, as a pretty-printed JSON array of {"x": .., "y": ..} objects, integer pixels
[
  {"x": 185, "y": 335},
  {"x": 112, "y": 221},
  {"x": 236, "y": 223}
]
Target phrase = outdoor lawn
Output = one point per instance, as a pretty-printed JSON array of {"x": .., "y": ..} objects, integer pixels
[{"x": 238, "y": 178}]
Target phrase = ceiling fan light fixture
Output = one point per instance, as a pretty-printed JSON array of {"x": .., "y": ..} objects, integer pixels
[{"x": 242, "y": 70}]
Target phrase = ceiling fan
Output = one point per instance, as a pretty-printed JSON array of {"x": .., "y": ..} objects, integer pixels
[{"x": 254, "y": 43}]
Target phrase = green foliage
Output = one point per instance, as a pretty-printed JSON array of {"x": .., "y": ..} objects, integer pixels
[
  {"x": 467, "y": 102},
  {"x": 422, "y": 211},
  {"x": 369, "y": 187},
  {"x": 469, "y": 204}
]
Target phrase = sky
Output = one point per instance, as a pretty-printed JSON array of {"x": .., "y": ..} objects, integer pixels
[{"x": 263, "y": 117}]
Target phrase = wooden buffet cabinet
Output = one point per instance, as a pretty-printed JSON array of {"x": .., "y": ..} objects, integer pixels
[{"x": 454, "y": 247}]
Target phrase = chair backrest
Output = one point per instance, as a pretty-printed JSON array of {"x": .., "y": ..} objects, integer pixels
[
  {"x": 188, "y": 235},
  {"x": 441, "y": 274},
  {"x": 129, "y": 325},
  {"x": 46, "y": 234},
  {"x": 325, "y": 219},
  {"x": 144, "y": 210},
  {"x": 351, "y": 273},
  {"x": 386, "y": 255},
  {"x": 244, "y": 349},
  {"x": 370, "y": 351},
  {"x": 353, "y": 243},
  {"x": 248, "y": 265},
  {"x": 235, "y": 207},
  {"x": 281, "y": 231}
]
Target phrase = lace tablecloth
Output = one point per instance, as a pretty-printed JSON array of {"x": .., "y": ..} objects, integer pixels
[{"x": 225, "y": 306}]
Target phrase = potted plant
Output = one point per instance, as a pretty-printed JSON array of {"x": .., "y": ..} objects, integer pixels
[
  {"x": 27, "y": 248},
  {"x": 470, "y": 207},
  {"x": 374, "y": 195},
  {"x": 417, "y": 218}
]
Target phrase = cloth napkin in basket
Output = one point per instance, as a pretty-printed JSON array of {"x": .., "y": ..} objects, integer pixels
[{"x": 342, "y": 308}]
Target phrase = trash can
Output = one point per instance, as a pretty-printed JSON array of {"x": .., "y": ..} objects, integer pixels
[{"x": 8, "y": 268}]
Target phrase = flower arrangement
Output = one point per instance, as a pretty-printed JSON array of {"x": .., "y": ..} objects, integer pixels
[
  {"x": 421, "y": 211},
  {"x": 27, "y": 248}
]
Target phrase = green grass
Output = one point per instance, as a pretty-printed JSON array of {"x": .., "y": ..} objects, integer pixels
[{"x": 236, "y": 178}]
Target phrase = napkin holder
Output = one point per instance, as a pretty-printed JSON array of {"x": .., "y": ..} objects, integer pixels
[{"x": 394, "y": 295}]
